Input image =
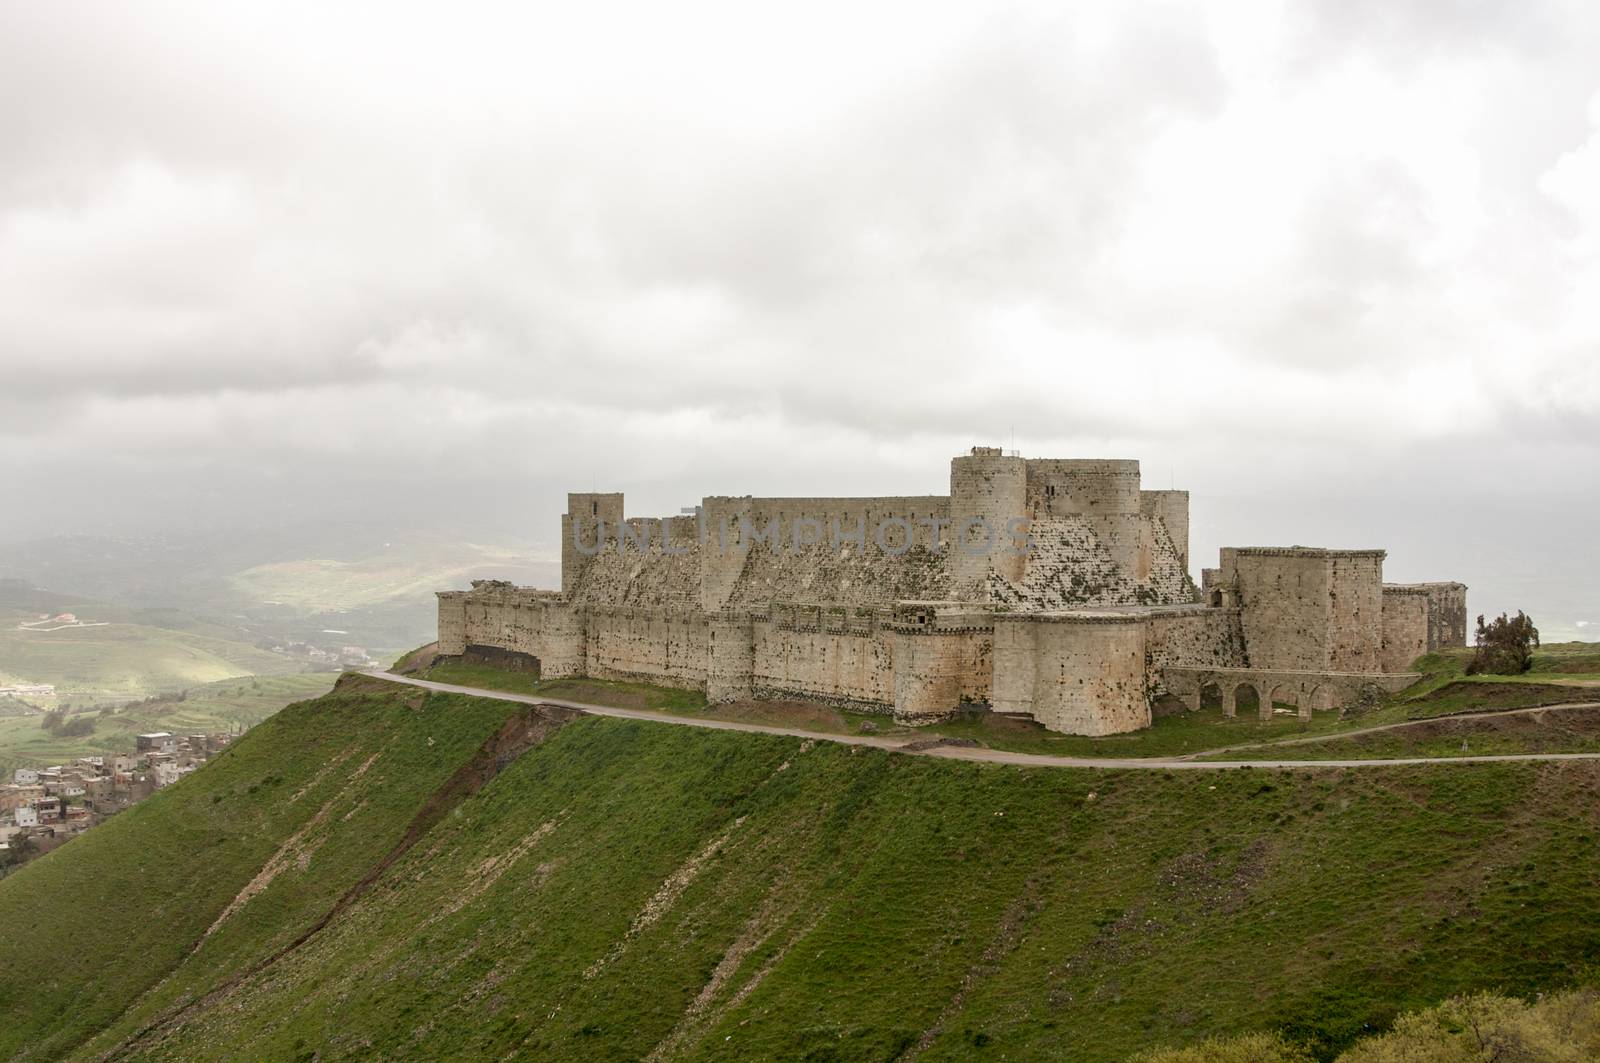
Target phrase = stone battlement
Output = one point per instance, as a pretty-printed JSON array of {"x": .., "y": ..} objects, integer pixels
[{"x": 1300, "y": 551}]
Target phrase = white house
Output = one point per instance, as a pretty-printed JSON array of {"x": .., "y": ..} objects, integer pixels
[
  {"x": 25, "y": 777},
  {"x": 26, "y": 816},
  {"x": 156, "y": 742}
]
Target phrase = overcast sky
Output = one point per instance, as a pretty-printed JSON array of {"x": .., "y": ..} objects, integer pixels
[{"x": 1331, "y": 265}]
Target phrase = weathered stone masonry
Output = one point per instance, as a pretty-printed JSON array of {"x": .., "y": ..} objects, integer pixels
[{"x": 1051, "y": 588}]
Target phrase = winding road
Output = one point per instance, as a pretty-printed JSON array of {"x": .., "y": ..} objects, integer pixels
[{"x": 979, "y": 754}]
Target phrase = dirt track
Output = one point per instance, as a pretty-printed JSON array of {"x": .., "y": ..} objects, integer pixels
[{"x": 979, "y": 754}]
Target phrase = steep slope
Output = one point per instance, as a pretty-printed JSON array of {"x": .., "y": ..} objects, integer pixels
[
  {"x": 276, "y": 828},
  {"x": 625, "y": 890}
]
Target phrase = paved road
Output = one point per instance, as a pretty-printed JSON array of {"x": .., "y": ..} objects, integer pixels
[{"x": 969, "y": 753}]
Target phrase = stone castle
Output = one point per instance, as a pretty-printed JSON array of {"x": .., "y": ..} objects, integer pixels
[{"x": 1054, "y": 589}]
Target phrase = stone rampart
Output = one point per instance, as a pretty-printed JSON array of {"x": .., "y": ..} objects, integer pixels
[
  {"x": 1078, "y": 672},
  {"x": 1420, "y": 618},
  {"x": 1306, "y": 608},
  {"x": 838, "y": 669},
  {"x": 1105, "y": 492},
  {"x": 988, "y": 500},
  {"x": 1171, "y": 508}
]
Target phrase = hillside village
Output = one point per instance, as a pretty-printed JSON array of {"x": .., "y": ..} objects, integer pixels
[{"x": 41, "y": 808}]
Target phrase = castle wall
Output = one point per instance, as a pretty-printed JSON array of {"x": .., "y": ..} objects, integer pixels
[
  {"x": 851, "y": 513},
  {"x": 1355, "y": 632},
  {"x": 730, "y": 658},
  {"x": 1284, "y": 605},
  {"x": 824, "y": 661},
  {"x": 721, "y": 563},
  {"x": 1105, "y": 492},
  {"x": 1016, "y": 664},
  {"x": 1308, "y": 609},
  {"x": 1420, "y": 618},
  {"x": 1447, "y": 615},
  {"x": 987, "y": 486},
  {"x": 740, "y": 570},
  {"x": 1405, "y": 628},
  {"x": 538, "y": 623},
  {"x": 651, "y": 645},
  {"x": 1192, "y": 636},
  {"x": 939, "y": 671},
  {"x": 1172, "y": 509},
  {"x": 452, "y": 622},
  {"x": 1087, "y": 673},
  {"x": 587, "y": 515}
]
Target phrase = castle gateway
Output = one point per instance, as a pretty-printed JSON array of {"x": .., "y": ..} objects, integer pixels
[{"x": 1056, "y": 589}]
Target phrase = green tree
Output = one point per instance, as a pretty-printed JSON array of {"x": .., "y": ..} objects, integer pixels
[{"x": 1505, "y": 647}]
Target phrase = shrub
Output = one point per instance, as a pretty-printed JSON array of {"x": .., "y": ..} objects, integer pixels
[
  {"x": 1505, "y": 647},
  {"x": 1565, "y": 1026},
  {"x": 1481, "y": 1028},
  {"x": 1252, "y": 1048}
]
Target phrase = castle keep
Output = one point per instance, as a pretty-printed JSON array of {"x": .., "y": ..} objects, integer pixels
[{"x": 1055, "y": 589}]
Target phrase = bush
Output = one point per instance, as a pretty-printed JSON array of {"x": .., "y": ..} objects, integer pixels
[
  {"x": 1565, "y": 1026},
  {"x": 1253, "y": 1048},
  {"x": 58, "y": 723},
  {"x": 1482, "y": 1028},
  {"x": 1505, "y": 647},
  {"x": 79, "y": 728}
]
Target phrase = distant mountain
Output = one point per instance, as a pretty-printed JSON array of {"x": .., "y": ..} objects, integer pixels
[
  {"x": 108, "y": 652},
  {"x": 365, "y": 586}
]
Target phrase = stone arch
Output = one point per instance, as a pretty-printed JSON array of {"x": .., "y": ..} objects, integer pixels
[
  {"x": 1210, "y": 693},
  {"x": 1285, "y": 694},
  {"x": 1323, "y": 698},
  {"x": 1166, "y": 703},
  {"x": 1247, "y": 699}
]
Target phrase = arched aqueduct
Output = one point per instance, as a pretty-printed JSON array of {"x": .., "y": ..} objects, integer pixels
[{"x": 1306, "y": 692}]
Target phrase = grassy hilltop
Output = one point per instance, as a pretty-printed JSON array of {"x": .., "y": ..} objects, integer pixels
[{"x": 387, "y": 872}]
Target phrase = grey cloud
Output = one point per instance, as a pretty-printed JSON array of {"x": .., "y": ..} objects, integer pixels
[{"x": 313, "y": 262}]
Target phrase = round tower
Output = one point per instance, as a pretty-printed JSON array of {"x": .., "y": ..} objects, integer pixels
[
  {"x": 988, "y": 495},
  {"x": 1105, "y": 493}
]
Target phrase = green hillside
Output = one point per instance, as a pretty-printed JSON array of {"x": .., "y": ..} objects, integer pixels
[{"x": 628, "y": 890}]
